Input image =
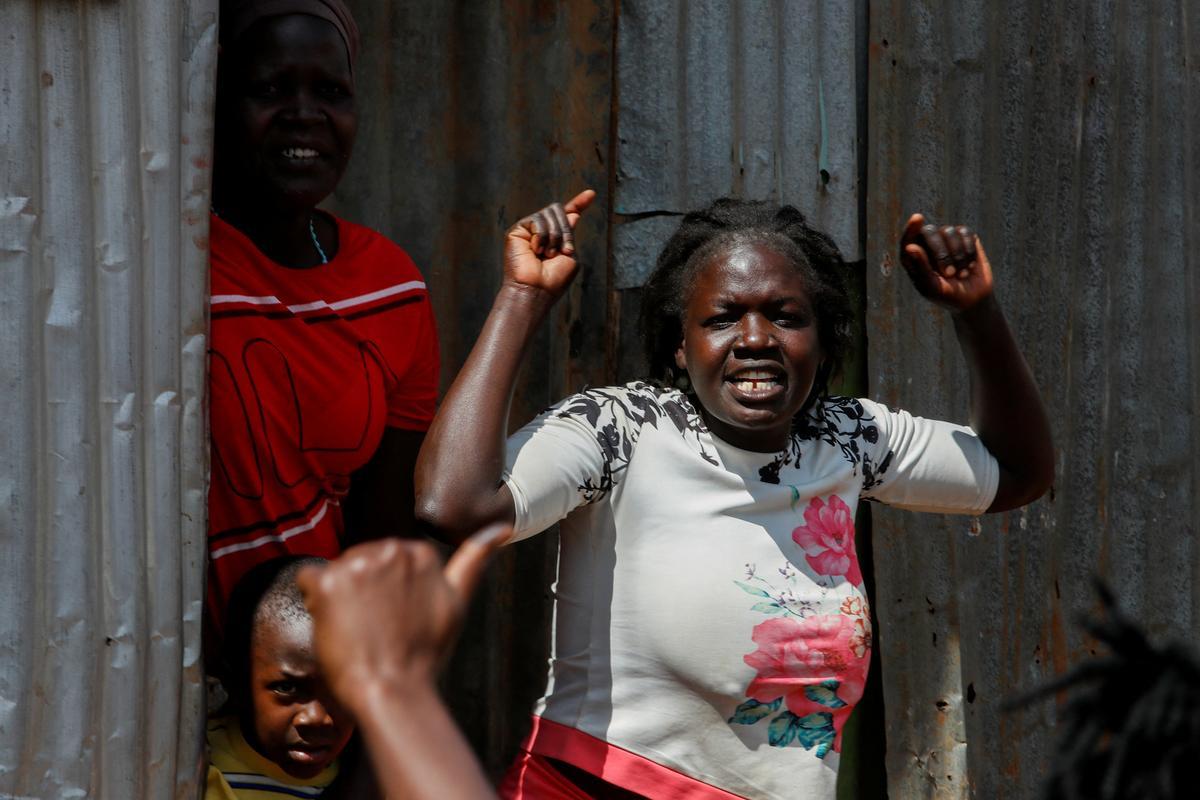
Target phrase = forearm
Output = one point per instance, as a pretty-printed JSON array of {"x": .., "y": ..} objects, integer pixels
[
  {"x": 1006, "y": 407},
  {"x": 415, "y": 747},
  {"x": 458, "y": 486}
]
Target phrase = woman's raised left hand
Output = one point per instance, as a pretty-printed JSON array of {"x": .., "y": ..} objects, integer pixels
[{"x": 946, "y": 264}]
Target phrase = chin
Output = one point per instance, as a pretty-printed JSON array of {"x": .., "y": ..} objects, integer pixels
[{"x": 307, "y": 770}]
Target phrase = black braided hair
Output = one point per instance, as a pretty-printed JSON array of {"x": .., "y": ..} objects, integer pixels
[
  {"x": 1131, "y": 725},
  {"x": 730, "y": 222},
  {"x": 267, "y": 592}
]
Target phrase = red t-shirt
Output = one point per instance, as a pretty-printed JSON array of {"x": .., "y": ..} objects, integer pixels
[{"x": 307, "y": 367}]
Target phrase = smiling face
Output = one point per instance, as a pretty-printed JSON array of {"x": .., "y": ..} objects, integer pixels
[
  {"x": 286, "y": 118},
  {"x": 295, "y": 723},
  {"x": 750, "y": 344}
]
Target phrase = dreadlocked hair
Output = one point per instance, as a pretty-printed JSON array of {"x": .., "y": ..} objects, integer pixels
[
  {"x": 1131, "y": 725},
  {"x": 267, "y": 593},
  {"x": 731, "y": 222}
]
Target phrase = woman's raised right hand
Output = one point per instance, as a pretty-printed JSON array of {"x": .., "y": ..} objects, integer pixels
[{"x": 539, "y": 251}]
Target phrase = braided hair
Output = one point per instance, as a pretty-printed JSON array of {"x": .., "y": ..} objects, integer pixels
[
  {"x": 729, "y": 222},
  {"x": 1131, "y": 725}
]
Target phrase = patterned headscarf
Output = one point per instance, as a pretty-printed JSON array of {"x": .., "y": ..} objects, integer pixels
[{"x": 238, "y": 15}]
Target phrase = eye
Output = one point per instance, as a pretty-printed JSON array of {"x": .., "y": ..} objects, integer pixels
[
  {"x": 334, "y": 91},
  {"x": 284, "y": 688},
  {"x": 264, "y": 90},
  {"x": 792, "y": 319},
  {"x": 720, "y": 320}
]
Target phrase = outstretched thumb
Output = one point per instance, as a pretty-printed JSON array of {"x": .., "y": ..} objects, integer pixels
[{"x": 468, "y": 562}]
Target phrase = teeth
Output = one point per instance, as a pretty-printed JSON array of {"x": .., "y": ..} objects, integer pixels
[
  {"x": 756, "y": 375},
  {"x": 299, "y": 152},
  {"x": 754, "y": 386}
]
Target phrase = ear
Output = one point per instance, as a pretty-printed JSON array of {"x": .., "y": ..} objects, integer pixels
[{"x": 680, "y": 358}]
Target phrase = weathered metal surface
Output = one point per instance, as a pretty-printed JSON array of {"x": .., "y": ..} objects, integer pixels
[
  {"x": 1066, "y": 133},
  {"x": 473, "y": 115},
  {"x": 105, "y": 121},
  {"x": 756, "y": 100}
]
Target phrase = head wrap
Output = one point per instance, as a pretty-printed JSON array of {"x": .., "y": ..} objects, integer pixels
[{"x": 238, "y": 15}]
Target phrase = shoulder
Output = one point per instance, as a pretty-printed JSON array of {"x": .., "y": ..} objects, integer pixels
[
  {"x": 358, "y": 242},
  {"x": 221, "y": 733},
  {"x": 851, "y": 424},
  {"x": 634, "y": 405}
]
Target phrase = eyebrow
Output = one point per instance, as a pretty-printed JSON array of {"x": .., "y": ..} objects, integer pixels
[
  {"x": 729, "y": 300},
  {"x": 293, "y": 674}
]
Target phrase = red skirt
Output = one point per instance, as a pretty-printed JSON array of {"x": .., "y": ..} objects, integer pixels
[{"x": 535, "y": 778}]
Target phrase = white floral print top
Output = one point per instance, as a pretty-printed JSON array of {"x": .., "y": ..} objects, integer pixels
[{"x": 711, "y": 631}]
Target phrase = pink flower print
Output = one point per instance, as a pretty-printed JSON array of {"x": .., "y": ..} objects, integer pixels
[
  {"x": 827, "y": 538},
  {"x": 797, "y": 660}
]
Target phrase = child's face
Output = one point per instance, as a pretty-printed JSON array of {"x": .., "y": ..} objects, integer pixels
[
  {"x": 295, "y": 722},
  {"x": 750, "y": 345}
]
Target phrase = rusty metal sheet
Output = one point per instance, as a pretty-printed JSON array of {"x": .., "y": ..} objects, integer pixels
[
  {"x": 472, "y": 115},
  {"x": 756, "y": 100},
  {"x": 1067, "y": 135},
  {"x": 105, "y": 130}
]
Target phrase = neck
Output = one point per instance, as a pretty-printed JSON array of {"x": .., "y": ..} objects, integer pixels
[{"x": 282, "y": 234}]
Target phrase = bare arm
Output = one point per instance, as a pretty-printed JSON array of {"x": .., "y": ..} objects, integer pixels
[
  {"x": 949, "y": 266},
  {"x": 382, "y": 667},
  {"x": 458, "y": 485}
]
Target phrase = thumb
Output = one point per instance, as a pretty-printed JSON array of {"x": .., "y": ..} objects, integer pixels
[
  {"x": 466, "y": 565},
  {"x": 981, "y": 254},
  {"x": 578, "y": 204}
]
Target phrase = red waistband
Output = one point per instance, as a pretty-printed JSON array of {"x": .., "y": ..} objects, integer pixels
[{"x": 617, "y": 765}]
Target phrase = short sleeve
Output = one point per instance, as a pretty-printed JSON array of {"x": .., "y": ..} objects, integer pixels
[
  {"x": 412, "y": 399},
  {"x": 927, "y": 465},
  {"x": 569, "y": 456}
]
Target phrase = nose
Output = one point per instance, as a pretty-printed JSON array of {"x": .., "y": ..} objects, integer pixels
[
  {"x": 305, "y": 108},
  {"x": 755, "y": 333},
  {"x": 313, "y": 714}
]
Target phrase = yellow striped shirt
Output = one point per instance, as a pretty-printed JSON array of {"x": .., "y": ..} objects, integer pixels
[{"x": 237, "y": 771}]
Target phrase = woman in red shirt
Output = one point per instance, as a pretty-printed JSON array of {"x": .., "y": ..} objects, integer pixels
[{"x": 324, "y": 357}]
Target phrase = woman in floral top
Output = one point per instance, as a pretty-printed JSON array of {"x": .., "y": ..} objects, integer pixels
[{"x": 711, "y": 630}]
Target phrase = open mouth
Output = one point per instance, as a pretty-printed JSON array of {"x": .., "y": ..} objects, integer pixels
[
  {"x": 756, "y": 384},
  {"x": 300, "y": 155}
]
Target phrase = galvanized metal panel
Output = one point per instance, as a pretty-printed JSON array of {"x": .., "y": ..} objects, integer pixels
[
  {"x": 105, "y": 130},
  {"x": 1066, "y": 134},
  {"x": 755, "y": 100}
]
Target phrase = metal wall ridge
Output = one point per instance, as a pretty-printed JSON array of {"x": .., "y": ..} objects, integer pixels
[{"x": 105, "y": 132}]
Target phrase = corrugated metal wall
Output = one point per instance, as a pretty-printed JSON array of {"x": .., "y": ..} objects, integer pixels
[
  {"x": 1066, "y": 133},
  {"x": 105, "y": 123},
  {"x": 757, "y": 100},
  {"x": 761, "y": 100},
  {"x": 472, "y": 115}
]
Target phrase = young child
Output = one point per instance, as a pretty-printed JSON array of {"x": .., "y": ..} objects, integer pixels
[
  {"x": 383, "y": 667},
  {"x": 711, "y": 629},
  {"x": 284, "y": 732}
]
